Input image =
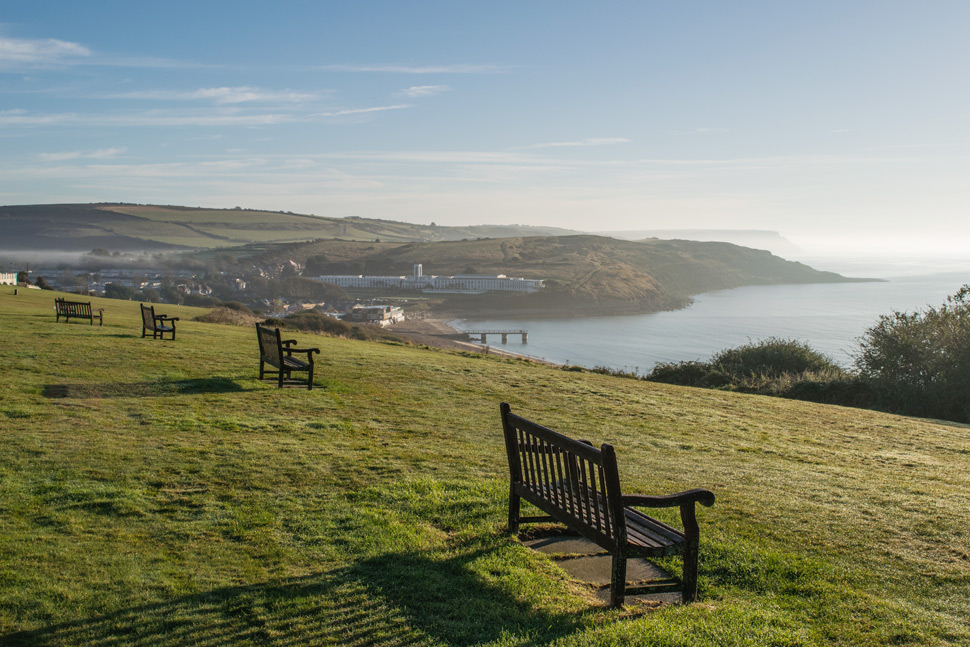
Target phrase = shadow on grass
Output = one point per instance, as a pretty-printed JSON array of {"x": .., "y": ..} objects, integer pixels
[
  {"x": 397, "y": 600},
  {"x": 142, "y": 389},
  {"x": 445, "y": 599},
  {"x": 308, "y": 610}
]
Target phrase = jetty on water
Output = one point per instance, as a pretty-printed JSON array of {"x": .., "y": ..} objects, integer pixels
[{"x": 483, "y": 334}]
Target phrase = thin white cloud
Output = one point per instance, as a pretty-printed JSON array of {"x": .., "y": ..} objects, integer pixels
[
  {"x": 420, "y": 69},
  {"x": 231, "y": 117},
  {"x": 223, "y": 95},
  {"x": 20, "y": 118},
  {"x": 589, "y": 141},
  {"x": 39, "y": 53},
  {"x": 703, "y": 131},
  {"x": 360, "y": 111},
  {"x": 103, "y": 153},
  {"x": 416, "y": 91}
]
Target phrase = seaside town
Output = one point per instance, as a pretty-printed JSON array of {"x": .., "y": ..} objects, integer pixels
[{"x": 187, "y": 287}]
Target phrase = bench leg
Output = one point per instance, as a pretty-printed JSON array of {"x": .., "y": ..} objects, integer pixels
[
  {"x": 282, "y": 373},
  {"x": 618, "y": 580},
  {"x": 262, "y": 366},
  {"x": 514, "y": 504},
  {"x": 309, "y": 379},
  {"x": 689, "y": 592}
]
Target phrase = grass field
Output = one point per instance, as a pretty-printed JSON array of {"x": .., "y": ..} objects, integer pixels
[{"x": 155, "y": 493}]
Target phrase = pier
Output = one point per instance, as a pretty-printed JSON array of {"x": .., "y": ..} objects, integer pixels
[{"x": 483, "y": 334}]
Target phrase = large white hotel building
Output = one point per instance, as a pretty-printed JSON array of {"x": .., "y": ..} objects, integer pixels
[{"x": 457, "y": 284}]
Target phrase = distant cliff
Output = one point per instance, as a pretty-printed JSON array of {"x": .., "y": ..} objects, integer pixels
[{"x": 584, "y": 274}]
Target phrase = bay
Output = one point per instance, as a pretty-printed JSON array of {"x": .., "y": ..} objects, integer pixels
[{"x": 830, "y": 317}]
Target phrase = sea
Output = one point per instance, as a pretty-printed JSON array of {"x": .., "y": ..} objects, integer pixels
[{"x": 829, "y": 317}]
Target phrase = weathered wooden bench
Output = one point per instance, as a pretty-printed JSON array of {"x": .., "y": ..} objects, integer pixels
[
  {"x": 277, "y": 352},
  {"x": 77, "y": 310},
  {"x": 158, "y": 325},
  {"x": 579, "y": 486}
]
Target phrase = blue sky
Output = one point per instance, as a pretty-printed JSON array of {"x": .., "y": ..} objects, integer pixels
[{"x": 840, "y": 123}]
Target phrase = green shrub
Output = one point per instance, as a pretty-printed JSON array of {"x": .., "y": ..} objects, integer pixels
[
  {"x": 771, "y": 358},
  {"x": 239, "y": 307},
  {"x": 751, "y": 366},
  {"x": 693, "y": 373},
  {"x": 778, "y": 367},
  {"x": 919, "y": 363},
  {"x": 317, "y": 322}
]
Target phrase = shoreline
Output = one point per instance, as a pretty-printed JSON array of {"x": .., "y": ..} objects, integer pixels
[{"x": 439, "y": 333}]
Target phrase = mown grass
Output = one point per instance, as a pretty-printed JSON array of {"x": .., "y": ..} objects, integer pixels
[{"x": 155, "y": 493}]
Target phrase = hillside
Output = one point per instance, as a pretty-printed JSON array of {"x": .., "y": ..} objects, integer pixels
[
  {"x": 156, "y": 493},
  {"x": 127, "y": 227},
  {"x": 584, "y": 274}
]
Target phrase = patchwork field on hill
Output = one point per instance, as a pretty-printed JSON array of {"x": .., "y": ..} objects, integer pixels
[
  {"x": 131, "y": 227},
  {"x": 155, "y": 493}
]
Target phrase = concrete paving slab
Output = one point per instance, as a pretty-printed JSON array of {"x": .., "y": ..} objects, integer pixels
[
  {"x": 596, "y": 569},
  {"x": 563, "y": 545},
  {"x": 586, "y": 562}
]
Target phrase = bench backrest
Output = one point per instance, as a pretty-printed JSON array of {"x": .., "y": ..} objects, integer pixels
[
  {"x": 568, "y": 479},
  {"x": 148, "y": 317},
  {"x": 73, "y": 308},
  {"x": 270, "y": 345}
]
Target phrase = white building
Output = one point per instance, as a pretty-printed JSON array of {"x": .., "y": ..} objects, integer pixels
[
  {"x": 8, "y": 278},
  {"x": 457, "y": 284},
  {"x": 378, "y": 315}
]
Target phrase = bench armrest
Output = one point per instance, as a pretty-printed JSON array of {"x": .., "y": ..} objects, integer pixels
[
  {"x": 697, "y": 495},
  {"x": 308, "y": 351},
  {"x": 287, "y": 342},
  {"x": 165, "y": 318}
]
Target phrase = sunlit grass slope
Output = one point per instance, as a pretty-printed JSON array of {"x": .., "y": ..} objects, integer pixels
[{"x": 155, "y": 493}]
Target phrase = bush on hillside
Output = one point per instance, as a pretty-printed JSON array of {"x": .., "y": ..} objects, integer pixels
[
  {"x": 772, "y": 358},
  {"x": 751, "y": 365},
  {"x": 778, "y": 367},
  {"x": 229, "y": 316},
  {"x": 919, "y": 363},
  {"x": 315, "y": 322},
  {"x": 238, "y": 307}
]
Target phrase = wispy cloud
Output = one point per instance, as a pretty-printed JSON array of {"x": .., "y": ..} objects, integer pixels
[
  {"x": 227, "y": 117},
  {"x": 416, "y": 91},
  {"x": 589, "y": 141},
  {"x": 703, "y": 131},
  {"x": 223, "y": 95},
  {"x": 360, "y": 111},
  {"x": 153, "y": 118},
  {"x": 420, "y": 69},
  {"x": 39, "y": 53},
  {"x": 103, "y": 153}
]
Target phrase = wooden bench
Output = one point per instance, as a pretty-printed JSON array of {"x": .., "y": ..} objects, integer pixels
[
  {"x": 158, "y": 325},
  {"x": 77, "y": 310},
  {"x": 277, "y": 352},
  {"x": 579, "y": 486}
]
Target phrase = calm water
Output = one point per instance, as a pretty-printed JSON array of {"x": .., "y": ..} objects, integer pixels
[{"x": 829, "y": 317}]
